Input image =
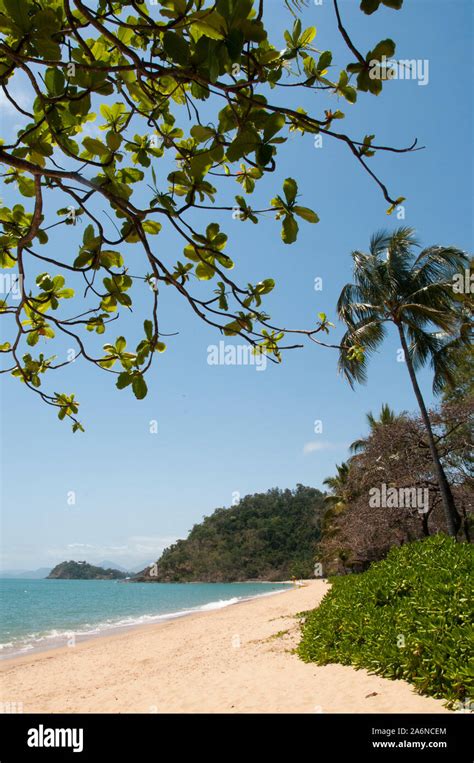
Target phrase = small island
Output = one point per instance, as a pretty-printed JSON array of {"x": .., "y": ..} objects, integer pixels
[{"x": 83, "y": 571}]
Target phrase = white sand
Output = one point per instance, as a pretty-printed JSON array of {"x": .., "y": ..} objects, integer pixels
[{"x": 228, "y": 660}]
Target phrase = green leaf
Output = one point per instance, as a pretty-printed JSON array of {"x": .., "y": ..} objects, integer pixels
[
  {"x": 65, "y": 293},
  {"x": 308, "y": 36},
  {"x": 273, "y": 125},
  {"x": 83, "y": 259},
  {"x": 290, "y": 190},
  {"x": 26, "y": 186},
  {"x": 289, "y": 229},
  {"x": 32, "y": 338},
  {"x": 324, "y": 60},
  {"x": 148, "y": 326},
  {"x": 204, "y": 271},
  {"x": 176, "y": 47},
  {"x": 210, "y": 25},
  {"x": 123, "y": 380},
  {"x": 89, "y": 235},
  {"x": 264, "y": 154},
  {"x": 266, "y": 286},
  {"x": 306, "y": 214},
  {"x": 130, "y": 175},
  {"x": 350, "y": 94},
  {"x": 383, "y": 48},
  {"x": 114, "y": 139},
  {"x": 199, "y": 164},
  {"x": 19, "y": 13},
  {"x": 109, "y": 259},
  {"x": 202, "y": 133},
  {"x": 114, "y": 114},
  {"x": 151, "y": 226},
  {"x": 6, "y": 260},
  {"x": 370, "y": 6},
  {"x": 95, "y": 147},
  {"x": 120, "y": 344},
  {"x": 139, "y": 387},
  {"x": 54, "y": 80},
  {"x": 245, "y": 142}
]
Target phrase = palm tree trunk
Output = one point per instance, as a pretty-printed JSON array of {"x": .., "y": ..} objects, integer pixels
[{"x": 453, "y": 520}]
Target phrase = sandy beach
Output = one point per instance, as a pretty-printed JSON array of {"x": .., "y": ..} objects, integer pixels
[{"x": 234, "y": 660}]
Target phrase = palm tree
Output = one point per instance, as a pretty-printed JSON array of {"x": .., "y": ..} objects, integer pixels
[
  {"x": 393, "y": 284},
  {"x": 337, "y": 485},
  {"x": 386, "y": 417},
  {"x": 337, "y": 499}
]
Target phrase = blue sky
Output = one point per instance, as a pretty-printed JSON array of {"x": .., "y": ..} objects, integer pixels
[{"x": 224, "y": 430}]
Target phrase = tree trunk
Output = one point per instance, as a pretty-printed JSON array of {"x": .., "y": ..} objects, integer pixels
[
  {"x": 424, "y": 525},
  {"x": 453, "y": 520}
]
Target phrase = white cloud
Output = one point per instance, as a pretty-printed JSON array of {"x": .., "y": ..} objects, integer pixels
[
  {"x": 130, "y": 552},
  {"x": 315, "y": 445},
  {"x": 136, "y": 550},
  {"x": 91, "y": 130}
]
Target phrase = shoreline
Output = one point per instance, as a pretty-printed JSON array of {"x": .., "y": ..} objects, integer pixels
[
  {"x": 236, "y": 659},
  {"x": 100, "y": 630}
]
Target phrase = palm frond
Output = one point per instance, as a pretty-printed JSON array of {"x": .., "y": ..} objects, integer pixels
[
  {"x": 357, "y": 446},
  {"x": 367, "y": 334},
  {"x": 399, "y": 259},
  {"x": 392, "y": 283},
  {"x": 424, "y": 315},
  {"x": 297, "y": 4},
  {"x": 379, "y": 243},
  {"x": 441, "y": 261},
  {"x": 422, "y": 345},
  {"x": 444, "y": 366}
]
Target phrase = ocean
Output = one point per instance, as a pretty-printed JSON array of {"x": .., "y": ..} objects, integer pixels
[{"x": 40, "y": 614}]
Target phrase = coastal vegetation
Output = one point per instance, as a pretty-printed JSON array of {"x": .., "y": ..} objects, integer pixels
[
  {"x": 357, "y": 530},
  {"x": 409, "y": 611},
  {"x": 409, "y": 616},
  {"x": 267, "y": 536}
]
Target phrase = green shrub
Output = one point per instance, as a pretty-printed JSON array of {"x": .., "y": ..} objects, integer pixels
[{"x": 409, "y": 616}]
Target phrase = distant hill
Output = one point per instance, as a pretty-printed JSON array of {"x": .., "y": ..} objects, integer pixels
[
  {"x": 139, "y": 567},
  {"x": 106, "y": 564},
  {"x": 41, "y": 572},
  {"x": 268, "y": 536},
  {"x": 83, "y": 571},
  {"x": 132, "y": 570}
]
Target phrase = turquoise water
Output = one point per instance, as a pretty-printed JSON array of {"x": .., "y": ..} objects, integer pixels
[{"x": 38, "y": 614}]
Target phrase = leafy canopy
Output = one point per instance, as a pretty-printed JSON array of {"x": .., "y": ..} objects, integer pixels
[{"x": 153, "y": 111}]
